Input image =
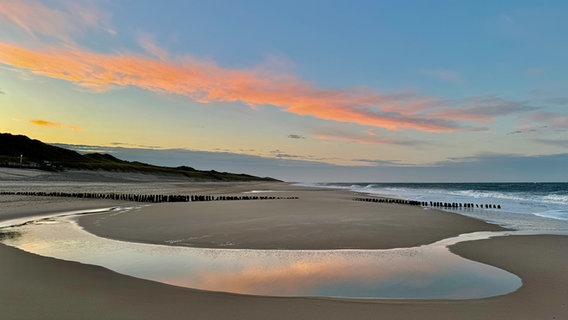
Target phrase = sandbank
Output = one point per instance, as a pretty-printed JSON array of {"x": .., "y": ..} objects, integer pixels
[{"x": 319, "y": 219}]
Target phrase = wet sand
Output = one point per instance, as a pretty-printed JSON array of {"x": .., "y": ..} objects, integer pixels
[
  {"x": 34, "y": 287},
  {"x": 319, "y": 219}
]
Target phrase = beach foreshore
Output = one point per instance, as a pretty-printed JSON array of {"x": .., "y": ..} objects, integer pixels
[
  {"x": 319, "y": 219},
  {"x": 34, "y": 287}
]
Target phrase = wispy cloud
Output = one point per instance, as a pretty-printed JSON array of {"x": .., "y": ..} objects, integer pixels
[
  {"x": 146, "y": 42},
  {"x": 61, "y": 20},
  {"x": 539, "y": 122},
  {"x": 449, "y": 76},
  {"x": 367, "y": 137},
  {"x": 279, "y": 154},
  {"x": 200, "y": 80},
  {"x": 478, "y": 111},
  {"x": 86, "y": 148},
  {"x": 524, "y": 130},
  {"x": 482, "y": 109},
  {"x": 132, "y": 145},
  {"x": 377, "y": 162},
  {"x": 551, "y": 120},
  {"x": 46, "y": 123},
  {"x": 206, "y": 82},
  {"x": 560, "y": 143}
]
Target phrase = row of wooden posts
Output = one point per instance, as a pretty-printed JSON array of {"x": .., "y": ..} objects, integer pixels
[
  {"x": 155, "y": 198},
  {"x": 445, "y": 205}
]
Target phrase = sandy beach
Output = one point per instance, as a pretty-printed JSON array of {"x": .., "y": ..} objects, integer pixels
[
  {"x": 320, "y": 219},
  {"x": 34, "y": 287}
]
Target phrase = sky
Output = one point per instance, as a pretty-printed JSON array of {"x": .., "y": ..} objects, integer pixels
[{"x": 337, "y": 91}]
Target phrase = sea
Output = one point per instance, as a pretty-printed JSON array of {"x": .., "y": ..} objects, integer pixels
[{"x": 524, "y": 206}]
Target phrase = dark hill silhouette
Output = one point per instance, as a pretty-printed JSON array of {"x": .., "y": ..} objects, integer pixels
[
  {"x": 12, "y": 146},
  {"x": 21, "y": 151}
]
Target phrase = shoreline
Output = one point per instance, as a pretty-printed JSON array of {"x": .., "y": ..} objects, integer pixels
[{"x": 84, "y": 290}]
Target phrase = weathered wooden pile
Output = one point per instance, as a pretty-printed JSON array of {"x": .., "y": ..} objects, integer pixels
[
  {"x": 155, "y": 198},
  {"x": 445, "y": 205}
]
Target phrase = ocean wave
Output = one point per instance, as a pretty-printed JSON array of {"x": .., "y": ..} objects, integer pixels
[
  {"x": 561, "y": 199},
  {"x": 515, "y": 196},
  {"x": 542, "y": 200},
  {"x": 554, "y": 214}
]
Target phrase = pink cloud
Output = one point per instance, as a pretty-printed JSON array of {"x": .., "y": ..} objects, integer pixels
[
  {"x": 551, "y": 120},
  {"x": 206, "y": 82},
  {"x": 68, "y": 19},
  {"x": 147, "y": 43},
  {"x": 540, "y": 122},
  {"x": 477, "y": 109}
]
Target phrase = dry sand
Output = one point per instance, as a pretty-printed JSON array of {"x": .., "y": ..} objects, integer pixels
[{"x": 34, "y": 287}]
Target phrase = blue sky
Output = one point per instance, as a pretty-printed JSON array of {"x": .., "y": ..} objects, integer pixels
[{"x": 300, "y": 90}]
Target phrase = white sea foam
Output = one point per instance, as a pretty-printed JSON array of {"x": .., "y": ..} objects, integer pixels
[{"x": 554, "y": 214}]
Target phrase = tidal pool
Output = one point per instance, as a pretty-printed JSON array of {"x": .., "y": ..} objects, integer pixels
[{"x": 426, "y": 272}]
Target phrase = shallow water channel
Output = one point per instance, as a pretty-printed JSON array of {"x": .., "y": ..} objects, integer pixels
[{"x": 426, "y": 272}]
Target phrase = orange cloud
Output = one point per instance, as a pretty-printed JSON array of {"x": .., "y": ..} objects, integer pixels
[
  {"x": 46, "y": 123},
  {"x": 304, "y": 274},
  {"x": 204, "y": 81}
]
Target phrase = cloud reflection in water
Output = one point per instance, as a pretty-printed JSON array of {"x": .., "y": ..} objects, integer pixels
[{"x": 427, "y": 272}]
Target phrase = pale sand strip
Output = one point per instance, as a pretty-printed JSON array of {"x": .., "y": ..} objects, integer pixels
[
  {"x": 33, "y": 287},
  {"x": 16, "y": 207}
]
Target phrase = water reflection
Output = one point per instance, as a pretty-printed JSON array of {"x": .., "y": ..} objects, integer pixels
[{"x": 428, "y": 272}]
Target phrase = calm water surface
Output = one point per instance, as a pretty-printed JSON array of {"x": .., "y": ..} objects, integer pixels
[{"x": 426, "y": 272}]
